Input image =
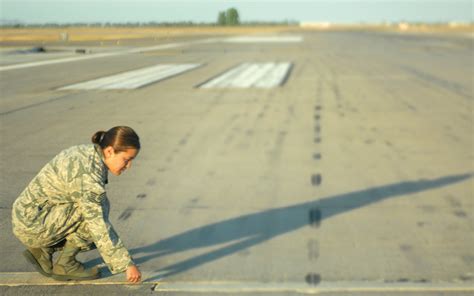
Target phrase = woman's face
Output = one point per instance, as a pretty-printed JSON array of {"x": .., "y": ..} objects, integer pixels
[{"x": 117, "y": 162}]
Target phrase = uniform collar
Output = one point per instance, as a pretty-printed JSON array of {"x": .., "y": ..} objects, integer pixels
[
  {"x": 102, "y": 159},
  {"x": 99, "y": 152}
]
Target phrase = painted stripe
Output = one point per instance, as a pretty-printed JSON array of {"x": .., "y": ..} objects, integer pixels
[
  {"x": 292, "y": 287},
  {"x": 15, "y": 279},
  {"x": 133, "y": 79},
  {"x": 265, "y": 39},
  {"x": 107, "y": 54},
  {"x": 258, "y": 75}
]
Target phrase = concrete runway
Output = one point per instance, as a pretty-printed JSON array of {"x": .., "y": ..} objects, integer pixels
[{"x": 354, "y": 176}]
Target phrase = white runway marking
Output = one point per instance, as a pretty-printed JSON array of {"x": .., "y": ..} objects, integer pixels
[
  {"x": 258, "y": 75},
  {"x": 134, "y": 79},
  {"x": 249, "y": 287},
  {"x": 106, "y": 54},
  {"x": 265, "y": 39}
]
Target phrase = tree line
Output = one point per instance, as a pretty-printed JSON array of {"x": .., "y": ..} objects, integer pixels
[
  {"x": 229, "y": 17},
  {"x": 147, "y": 24}
]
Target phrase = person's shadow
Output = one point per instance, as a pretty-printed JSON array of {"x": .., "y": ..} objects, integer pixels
[{"x": 249, "y": 230}]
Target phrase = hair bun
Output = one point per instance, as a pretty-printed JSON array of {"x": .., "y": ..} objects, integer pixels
[
  {"x": 120, "y": 138},
  {"x": 98, "y": 137}
]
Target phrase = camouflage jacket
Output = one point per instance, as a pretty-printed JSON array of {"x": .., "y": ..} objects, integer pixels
[{"x": 69, "y": 190}]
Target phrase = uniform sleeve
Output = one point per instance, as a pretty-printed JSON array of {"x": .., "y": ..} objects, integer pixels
[{"x": 95, "y": 212}]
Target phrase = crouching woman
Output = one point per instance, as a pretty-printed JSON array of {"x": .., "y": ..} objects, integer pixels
[{"x": 65, "y": 208}]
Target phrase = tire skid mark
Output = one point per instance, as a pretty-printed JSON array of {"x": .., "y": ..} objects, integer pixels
[
  {"x": 456, "y": 207},
  {"x": 316, "y": 179},
  {"x": 313, "y": 279},
  {"x": 427, "y": 78},
  {"x": 141, "y": 195},
  {"x": 275, "y": 152},
  {"x": 315, "y": 214},
  {"x": 126, "y": 213}
]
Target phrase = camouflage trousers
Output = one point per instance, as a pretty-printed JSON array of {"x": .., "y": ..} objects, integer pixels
[{"x": 54, "y": 224}]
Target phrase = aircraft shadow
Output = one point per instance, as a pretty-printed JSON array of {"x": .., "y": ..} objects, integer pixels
[{"x": 249, "y": 230}]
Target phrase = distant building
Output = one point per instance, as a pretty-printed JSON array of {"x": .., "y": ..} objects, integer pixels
[
  {"x": 458, "y": 24},
  {"x": 403, "y": 26},
  {"x": 319, "y": 25}
]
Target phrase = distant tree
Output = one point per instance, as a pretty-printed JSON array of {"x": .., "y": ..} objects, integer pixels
[
  {"x": 232, "y": 17},
  {"x": 221, "y": 19}
]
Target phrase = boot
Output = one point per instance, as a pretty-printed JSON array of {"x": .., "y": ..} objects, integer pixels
[
  {"x": 41, "y": 258},
  {"x": 68, "y": 268}
]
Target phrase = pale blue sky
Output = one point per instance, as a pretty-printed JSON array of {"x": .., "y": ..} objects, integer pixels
[{"x": 341, "y": 11}]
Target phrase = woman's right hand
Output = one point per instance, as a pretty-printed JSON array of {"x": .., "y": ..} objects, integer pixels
[{"x": 133, "y": 274}]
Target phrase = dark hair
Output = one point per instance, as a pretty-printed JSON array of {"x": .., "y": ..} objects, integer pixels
[{"x": 120, "y": 138}]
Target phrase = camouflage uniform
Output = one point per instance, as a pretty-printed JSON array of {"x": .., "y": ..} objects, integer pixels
[{"x": 67, "y": 200}]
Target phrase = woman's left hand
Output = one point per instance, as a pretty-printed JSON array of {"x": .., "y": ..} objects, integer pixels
[{"x": 133, "y": 274}]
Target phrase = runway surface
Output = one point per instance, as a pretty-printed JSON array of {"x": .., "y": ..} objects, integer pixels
[{"x": 313, "y": 162}]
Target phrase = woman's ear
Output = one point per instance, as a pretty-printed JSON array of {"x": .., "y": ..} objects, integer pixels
[{"x": 109, "y": 151}]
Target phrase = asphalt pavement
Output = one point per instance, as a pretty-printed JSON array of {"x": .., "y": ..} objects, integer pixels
[{"x": 347, "y": 171}]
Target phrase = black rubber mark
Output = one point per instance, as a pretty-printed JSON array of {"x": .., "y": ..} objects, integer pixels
[
  {"x": 369, "y": 141},
  {"x": 317, "y": 117},
  {"x": 126, "y": 214},
  {"x": 468, "y": 259},
  {"x": 466, "y": 278},
  {"x": 183, "y": 141},
  {"x": 422, "y": 281},
  {"x": 141, "y": 195},
  {"x": 317, "y": 140},
  {"x": 406, "y": 248},
  {"x": 427, "y": 208},
  {"x": 453, "y": 201},
  {"x": 411, "y": 107},
  {"x": 151, "y": 182},
  {"x": 318, "y": 107},
  {"x": 317, "y": 155},
  {"x": 403, "y": 280},
  {"x": 313, "y": 279},
  {"x": 460, "y": 214},
  {"x": 316, "y": 179},
  {"x": 291, "y": 110},
  {"x": 317, "y": 129},
  {"x": 315, "y": 217}
]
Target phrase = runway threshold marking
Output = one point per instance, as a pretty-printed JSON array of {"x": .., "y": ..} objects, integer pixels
[
  {"x": 133, "y": 79},
  {"x": 247, "y": 75}
]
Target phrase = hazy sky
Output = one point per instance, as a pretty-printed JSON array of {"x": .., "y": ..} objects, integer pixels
[{"x": 343, "y": 11}]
